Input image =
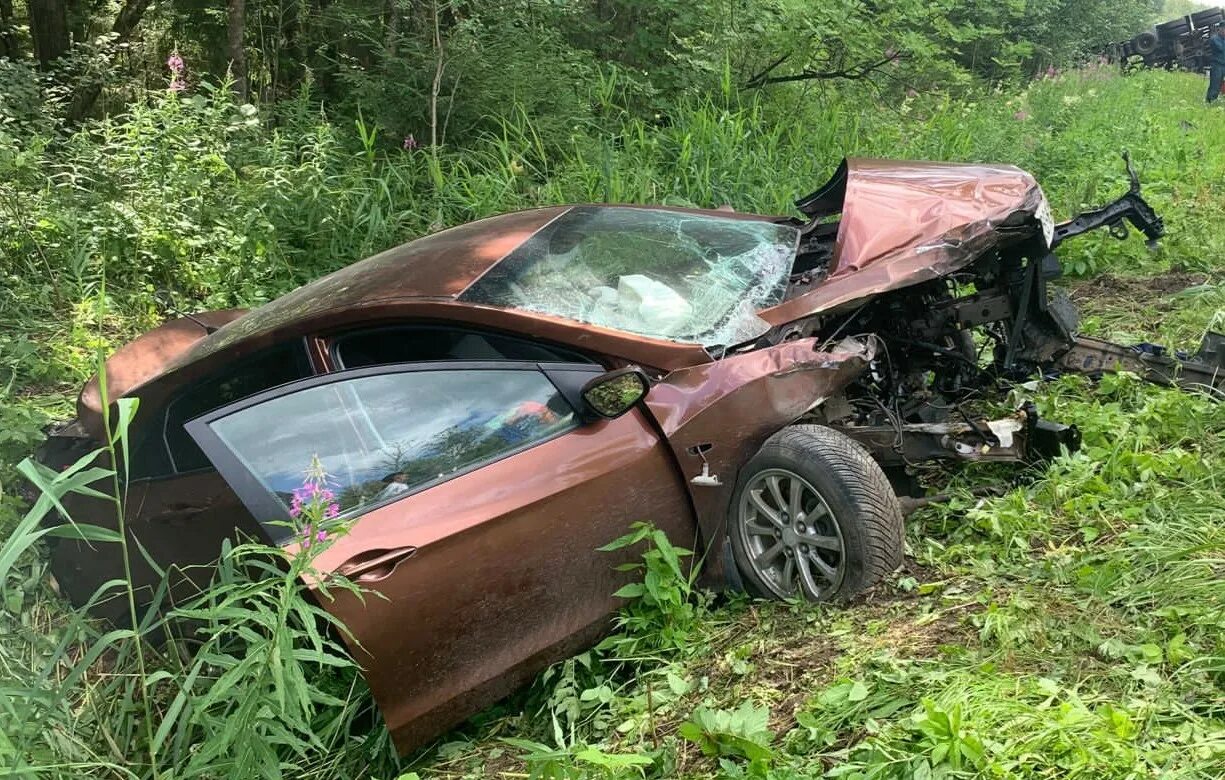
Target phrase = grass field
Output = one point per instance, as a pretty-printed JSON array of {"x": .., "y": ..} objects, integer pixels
[{"x": 1072, "y": 627}]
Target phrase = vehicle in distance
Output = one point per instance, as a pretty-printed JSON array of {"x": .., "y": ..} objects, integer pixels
[
  {"x": 1181, "y": 43},
  {"x": 495, "y": 402}
]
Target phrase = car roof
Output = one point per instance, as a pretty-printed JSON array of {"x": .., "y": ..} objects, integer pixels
[
  {"x": 438, "y": 266},
  {"x": 421, "y": 278}
]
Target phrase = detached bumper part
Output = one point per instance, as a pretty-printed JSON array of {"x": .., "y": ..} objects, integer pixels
[
  {"x": 1205, "y": 370},
  {"x": 1023, "y": 436}
]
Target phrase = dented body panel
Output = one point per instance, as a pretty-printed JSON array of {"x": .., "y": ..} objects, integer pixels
[{"x": 720, "y": 413}]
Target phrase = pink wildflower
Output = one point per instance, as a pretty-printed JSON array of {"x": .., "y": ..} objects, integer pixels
[
  {"x": 176, "y": 65},
  {"x": 410, "y": 143},
  {"x": 309, "y": 534}
]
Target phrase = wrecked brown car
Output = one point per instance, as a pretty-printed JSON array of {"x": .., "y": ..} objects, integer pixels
[{"x": 494, "y": 402}]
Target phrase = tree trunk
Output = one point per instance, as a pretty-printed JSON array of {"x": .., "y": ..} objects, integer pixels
[
  {"x": 125, "y": 22},
  {"x": 392, "y": 16},
  {"x": 235, "y": 27},
  {"x": 48, "y": 30},
  {"x": 8, "y": 41}
]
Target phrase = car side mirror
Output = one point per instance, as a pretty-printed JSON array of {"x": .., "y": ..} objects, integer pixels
[{"x": 615, "y": 393}]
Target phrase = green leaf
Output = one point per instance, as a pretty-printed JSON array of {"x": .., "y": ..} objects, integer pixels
[
  {"x": 632, "y": 590},
  {"x": 85, "y": 532}
]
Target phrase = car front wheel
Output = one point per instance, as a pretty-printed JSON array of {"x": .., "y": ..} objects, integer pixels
[{"x": 814, "y": 516}]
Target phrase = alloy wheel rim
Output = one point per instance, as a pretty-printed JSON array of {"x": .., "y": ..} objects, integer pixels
[{"x": 791, "y": 535}]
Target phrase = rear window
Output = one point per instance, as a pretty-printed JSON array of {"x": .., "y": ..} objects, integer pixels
[
  {"x": 273, "y": 367},
  {"x": 672, "y": 275}
]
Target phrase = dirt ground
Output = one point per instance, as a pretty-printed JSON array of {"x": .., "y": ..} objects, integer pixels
[{"x": 1155, "y": 292}]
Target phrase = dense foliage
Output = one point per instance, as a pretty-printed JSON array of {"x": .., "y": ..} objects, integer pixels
[
  {"x": 1069, "y": 628},
  {"x": 442, "y": 70}
]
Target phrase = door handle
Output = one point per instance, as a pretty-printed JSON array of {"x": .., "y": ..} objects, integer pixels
[{"x": 375, "y": 565}]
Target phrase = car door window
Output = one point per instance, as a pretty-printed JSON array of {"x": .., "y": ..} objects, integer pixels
[
  {"x": 419, "y": 343},
  {"x": 383, "y": 435}
]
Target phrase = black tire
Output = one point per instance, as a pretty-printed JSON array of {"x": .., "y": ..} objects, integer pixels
[
  {"x": 858, "y": 509},
  {"x": 1145, "y": 43}
]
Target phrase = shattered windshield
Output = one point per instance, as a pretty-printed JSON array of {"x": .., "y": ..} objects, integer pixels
[{"x": 665, "y": 274}]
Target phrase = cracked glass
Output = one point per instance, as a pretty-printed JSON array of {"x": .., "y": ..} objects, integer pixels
[{"x": 671, "y": 275}]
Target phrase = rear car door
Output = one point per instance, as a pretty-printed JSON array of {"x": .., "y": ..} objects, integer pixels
[{"x": 477, "y": 500}]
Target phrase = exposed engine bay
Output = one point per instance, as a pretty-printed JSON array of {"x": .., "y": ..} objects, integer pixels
[{"x": 981, "y": 324}]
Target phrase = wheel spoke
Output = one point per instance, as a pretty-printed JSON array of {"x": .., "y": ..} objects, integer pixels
[
  {"x": 811, "y": 590},
  {"x": 824, "y": 542},
  {"x": 776, "y": 491},
  {"x": 817, "y": 512},
  {"x": 824, "y": 569},
  {"x": 768, "y": 556},
  {"x": 761, "y": 506},
  {"x": 796, "y": 503},
  {"x": 787, "y": 580},
  {"x": 758, "y": 528}
]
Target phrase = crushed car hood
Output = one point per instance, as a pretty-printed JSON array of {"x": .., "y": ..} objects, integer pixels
[{"x": 907, "y": 222}]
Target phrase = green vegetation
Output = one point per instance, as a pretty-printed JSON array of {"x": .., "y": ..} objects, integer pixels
[{"x": 1072, "y": 627}]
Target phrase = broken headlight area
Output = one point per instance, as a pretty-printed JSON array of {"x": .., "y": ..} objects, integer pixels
[{"x": 964, "y": 315}]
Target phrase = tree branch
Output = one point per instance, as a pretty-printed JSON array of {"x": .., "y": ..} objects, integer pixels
[
  {"x": 766, "y": 71},
  {"x": 860, "y": 71}
]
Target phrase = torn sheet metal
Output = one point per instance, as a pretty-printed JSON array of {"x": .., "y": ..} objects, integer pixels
[{"x": 906, "y": 222}]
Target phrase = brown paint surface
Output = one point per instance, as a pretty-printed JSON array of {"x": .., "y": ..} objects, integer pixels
[
  {"x": 907, "y": 222},
  {"x": 506, "y": 575},
  {"x": 143, "y": 358}
]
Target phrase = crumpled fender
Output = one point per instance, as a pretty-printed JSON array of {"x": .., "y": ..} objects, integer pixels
[{"x": 728, "y": 408}]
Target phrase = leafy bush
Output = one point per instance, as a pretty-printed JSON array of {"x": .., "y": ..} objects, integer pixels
[
  {"x": 663, "y": 608},
  {"x": 742, "y": 733}
]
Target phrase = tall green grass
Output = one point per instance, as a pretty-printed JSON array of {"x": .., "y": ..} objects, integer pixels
[
  {"x": 1068, "y": 628},
  {"x": 200, "y": 203},
  {"x": 246, "y": 679}
]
